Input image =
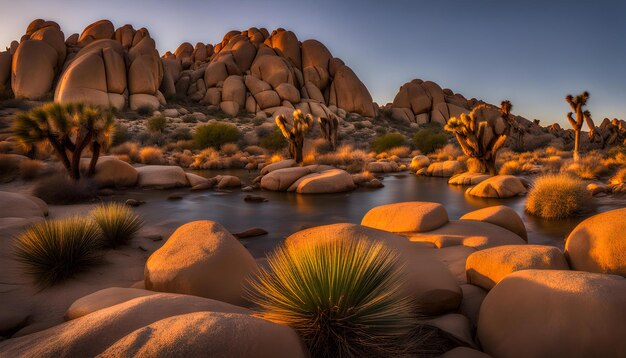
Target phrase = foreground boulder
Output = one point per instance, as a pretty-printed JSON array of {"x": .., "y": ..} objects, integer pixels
[
  {"x": 210, "y": 334},
  {"x": 103, "y": 299},
  {"x": 476, "y": 234},
  {"x": 499, "y": 186},
  {"x": 112, "y": 172},
  {"x": 427, "y": 280},
  {"x": 201, "y": 258},
  {"x": 92, "y": 334},
  {"x": 598, "y": 244},
  {"x": 412, "y": 216},
  {"x": 580, "y": 314},
  {"x": 16, "y": 205},
  {"x": 487, "y": 267},
  {"x": 161, "y": 177},
  {"x": 502, "y": 216}
]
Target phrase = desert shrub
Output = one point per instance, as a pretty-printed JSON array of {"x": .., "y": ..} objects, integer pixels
[
  {"x": 616, "y": 157},
  {"x": 229, "y": 149},
  {"x": 254, "y": 150},
  {"x": 427, "y": 140},
  {"x": 401, "y": 152},
  {"x": 151, "y": 155},
  {"x": 184, "y": 158},
  {"x": 274, "y": 140},
  {"x": 31, "y": 169},
  {"x": 345, "y": 155},
  {"x": 589, "y": 167},
  {"x": 388, "y": 141},
  {"x": 118, "y": 223},
  {"x": 447, "y": 152},
  {"x": 215, "y": 135},
  {"x": 515, "y": 167},
  {"x": 342, "y": 297},
  {"x": 120, "y": 134},
  {"x": 557, "y": 196},
  {"x": 619, "y": 177},
  {"x": 362, "y": 177},
  {"x": 128, "y": 149},
  {"x": 54, "y": 250},
  {"x": 60, "y": 189},
  {"x": 181, "y": 133},
  {"x": 144, "y": 110},
  {"x": 156, "y": 124}
]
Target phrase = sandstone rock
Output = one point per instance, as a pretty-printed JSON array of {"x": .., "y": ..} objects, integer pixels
[
  {"x": 210, "y": 334},
  {"x": 231, "y": 108},
  {"x": 103, "y": 299},
  {"x": 598, "y": 244},
  {"x": 382, "y": 167},
  {"x": 419, "y": 162},
  {"x": 195, "y": 179},
  {"x": 412, "y": 216},
  {"x": 476, "y": 234},
  {"x": 349, "y": 93},
  {"x": 324, "y": 182},
  {"x": 138, "y": 101},
  {"x": 33, "y": 69},
  {"x": 273, "y": 70},
  {"x": 112, "y": 172},
  {"x": 228, "y": 181},
  {"x": 281, "y": 179},
  {"x": 499, "y": 186},
  {"x": 201, "y": 258},
  {"x": 487, "y": 267},
  {"x": 473, "y": 297},
  {"x": 15, "y": 205},
  {"x": 267, "y": 99},
  {"x": 502, "y": 216},
  {"x": 287, "y": 163},
  {"x": 288, "y": 92},
  {"x": 444, "y": 169},
  {"x": 455, "y": 324},
  {"x": 563, "y": 302},
  {"x": 286, "y": 44},
  {"x": 102, "y": 29},
  {"x": 161, "y": 177},
  {"x": 468, "y": 178},
  {"x": 234, "y": 90}
]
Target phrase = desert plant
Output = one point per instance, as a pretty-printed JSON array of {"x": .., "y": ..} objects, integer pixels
[
  {"x": 619, "y": 177},
  {"x": 274, "y": 140},
  {"x": 557, "y": 196},
  {"x": 343, "y": 297},
  {"x": 483, "y": 132},
  {"x": 427, "y": 140},
  {"x": 294, "y": 132},
  {"x": 329, "y": 127},
  {"x": 54, "y": 250},
  {"x": 118, "y": 223},
  {"x": 229, "y": 149},
  {"x": 387, "y": 141},
  {"x": 59, "y": 189},
  {"x": 215, "y": 135},
  {"x": 67, "y": 127},
  {"x": 120, "y": 134},
  {"x": 151, "y": 155},
  {"x": 591, "y": 166},
  {"x": 577, "y": 103},
  {"x": 156, "y": 124}
]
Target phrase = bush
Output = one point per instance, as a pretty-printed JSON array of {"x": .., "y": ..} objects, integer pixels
[
  {"x": 151, "y": 155},
  {"x": 388, "y": 141},
  {"x": 343, "y": 297},
  {"x": 54, "y": 250},
  {"x": 181, "y": 133},
  {"x": 120, "y": 134},
  {"x": 118, "y": 223},
  {"x": 229, "y": 149},
  {"x": 274, "y": 141},
  {"x": 215, "y": 134},
  {"x": 156, "y": 124},
  {"x": 401, "y": 152},
  {"x": 557, "y": 196},
  {"x": 619, "y": 177},
  {"x": 59, "y": 189},
  {"x": 428, "y": 140}
]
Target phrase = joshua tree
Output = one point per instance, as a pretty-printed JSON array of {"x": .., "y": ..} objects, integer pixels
[
  {"x": 577, "y": 103},
  {"x": 69, "y": 128},
  {"x": 483, "y": 132},
  {"x": 294, "y": 132},
  {"x": 329, "y": 129}
]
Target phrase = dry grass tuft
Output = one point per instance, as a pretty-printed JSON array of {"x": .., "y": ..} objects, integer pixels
[
  {"x": 118, "y": 223},
  {"x": 151, "y": 155},
  {"x": 557, "y": 196}
]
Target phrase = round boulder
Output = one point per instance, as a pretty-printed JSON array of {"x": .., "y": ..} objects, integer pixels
[
  {"x": 412, "y": 216},
  {"x": 499, "y": 186},
  {"x": 161, "y": 177},
  {"x": 502, "y": 216}
]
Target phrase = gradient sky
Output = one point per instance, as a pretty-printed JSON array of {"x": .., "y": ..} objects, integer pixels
[{"x": 531, "y": 52}]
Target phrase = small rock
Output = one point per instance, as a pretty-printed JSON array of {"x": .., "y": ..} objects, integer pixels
[
  {"x": 256, "y": 231},
  {"x": 247, "y": 188},
  {"x": 208, "y": 184},
  {"x": 374, "y": 184},
  {"x": 254, "y": 199},
  {"x": 133, "y": 202}
]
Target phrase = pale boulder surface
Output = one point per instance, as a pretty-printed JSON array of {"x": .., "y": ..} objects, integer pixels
[
  {"x": 499, "y": 186},
  {"x": 15, "y": 205},
  {"x": 581, "y": 314},
  {"x": 210, "y": 334},
  {"x": 487, "y": 267},
  {"x": 112, "y": 172},
  {"x": 161, "y": 177},
  {"x": 201, "y": 258},
  {"x": 103, "y": 299},
  {"x": 326, "y": 182},
  {"x": 444, "y": 169},
  {"x": 412, "y": 216},
  {"x": 476, "y": 234},
  {"x": 598, "y": 244},
  {"x": 468, "y": 178},
  {"x": 502, "y": 216},
  {"x": 92, "y": 334}
]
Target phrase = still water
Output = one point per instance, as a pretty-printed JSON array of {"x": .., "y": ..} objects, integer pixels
[{"x": 286, "y": 213}]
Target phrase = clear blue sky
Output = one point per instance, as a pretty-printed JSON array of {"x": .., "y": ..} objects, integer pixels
[{"x": 531, "y": 52}]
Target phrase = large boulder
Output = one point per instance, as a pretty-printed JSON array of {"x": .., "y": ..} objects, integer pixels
[
  {"x": 468, "y": 178},
  {"x": 598, "y": 244},
  {"x": 412, "y": 216},
  {"x": 502, "y": 216},
  {"x": 499, "y": 186},
  {"x": 476, "y": 234},
  {"x": 92, "y": 334},
  {"x": 273, "y": 70},
  {"x": 210, "y": 334},
  {"x": 201, "y": 258},
  {"x": 287, "y": 163},
  {"x": 443, "y": 169},
  {"x": 103, "y": 299},
  {"x": 349, "y": 93},
  {"x": 33, "y": 70},
  {"x": 324, "y": 182},
  {"x": 487, "y": 267},
  {"x": 112, "y": 172},
  {"x": 161, "y": 177},
  {"x": 282, "y": 179},
  {"x": 98, "y": 30},
  {"x": 16, "y": 205},
  {"x": 427, "y": 280},
  {"x": 580, "y": 314}
]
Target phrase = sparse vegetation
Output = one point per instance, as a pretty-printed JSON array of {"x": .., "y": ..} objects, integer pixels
[
  {"x": 59, "y": 189},
  {"x": 54, "y": 250},
  {"x": 118, "y": 223},
  {"x": 156, "y": 124},
  {"x": 429, "y": 139},
  {"x": 215, "y": 135},
  {"x": 557, "y": 196},
  {"x": 387, "y": 141},
  {"x": 363, "y": 313},
  {"x": 151, "y": 155},
  {"x": 274, "y": 141}
]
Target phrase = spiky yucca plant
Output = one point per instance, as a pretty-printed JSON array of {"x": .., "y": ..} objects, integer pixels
[
  {"x": 294, "y": 132},
  {"x": 54, "y": 250},
  {"x": 483, "y": 132},
  {"x": 118, "y": 222},
  {"x": 343, "y": 297},
  {"x": 329, "y": 129},
  {"x": 577, "y": 103}
]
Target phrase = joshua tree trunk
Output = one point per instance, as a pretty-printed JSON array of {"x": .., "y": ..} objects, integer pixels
[
  {"x": 60, "y": 150},
  {"x": 490, "y": 165},
  {"x": 329, "y": 130},
  {"x": 295, "y": 147},
  {"x": 95, "y": 153},
  {"x": 576, "y": 145},
  {"x": 81, "y": 143}
]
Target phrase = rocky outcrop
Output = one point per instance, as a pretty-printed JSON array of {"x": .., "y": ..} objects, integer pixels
[{"x": 311, "y": 179}]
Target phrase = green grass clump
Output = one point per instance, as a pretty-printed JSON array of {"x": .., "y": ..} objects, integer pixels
[
  {"x": 157, "y": 124},
  {"x": 215, "y": 134},
  {"x": 343, "y": 297},
  {"x": 54, "y": 250},
  {"x": 118, "y": 223},
  {"x": 557, "y": 196},
  {"x": 388, "y": 141},
  {"x": 429, "y": 139},
  {"x": 274, "y": 141}
]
